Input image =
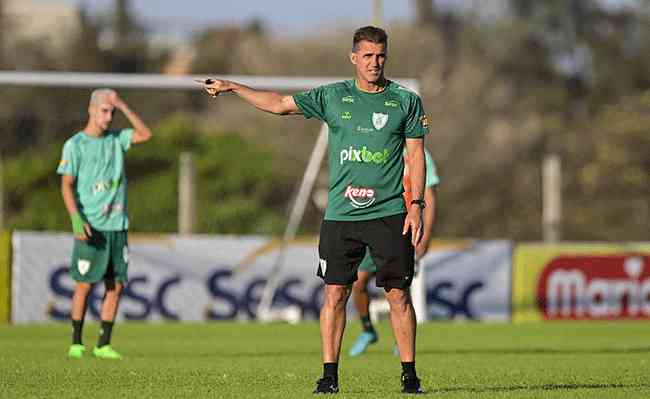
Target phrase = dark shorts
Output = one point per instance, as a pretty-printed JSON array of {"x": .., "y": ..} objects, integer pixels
[
  {"x": 105, "y": 256},
  {"x": 343, "y": 245}
]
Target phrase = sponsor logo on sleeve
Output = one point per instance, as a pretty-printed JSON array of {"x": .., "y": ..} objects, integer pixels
[{"x": 424, "y": 121}]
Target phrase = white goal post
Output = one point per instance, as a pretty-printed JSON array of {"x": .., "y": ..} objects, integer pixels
[{"x": 186, "y": 82}]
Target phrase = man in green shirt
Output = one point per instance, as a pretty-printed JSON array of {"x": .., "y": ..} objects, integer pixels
[
  {"x": 93, "y": 185},
  {"x": 371, "y": 121},
  {"x": 368, "y": 268}
]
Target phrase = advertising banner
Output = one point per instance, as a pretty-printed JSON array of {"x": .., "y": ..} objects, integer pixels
[
  {"x": 581, "y": 282},
  {"x": 205, "y": 278},
  {"x": 468, "y": 280},
  {"x": 170, "y": 278}
]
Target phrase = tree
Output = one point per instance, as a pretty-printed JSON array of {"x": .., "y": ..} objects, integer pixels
[
  {"x": 3, "y": 27},
  {"x": 221, "y": 48},
  {"x": 130, "y": 49},
  {"x": 424, "y": 12},
  {"x": 84, "y": 53},
  {"x": 448, "y": 25}
]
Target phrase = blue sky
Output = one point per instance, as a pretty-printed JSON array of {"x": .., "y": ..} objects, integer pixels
[{"x": 282, "y": 17}]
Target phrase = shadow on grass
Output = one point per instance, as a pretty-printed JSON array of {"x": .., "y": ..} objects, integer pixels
[
  {"x": 532, "y": 351},
  {"x": 545, "y": 387}
]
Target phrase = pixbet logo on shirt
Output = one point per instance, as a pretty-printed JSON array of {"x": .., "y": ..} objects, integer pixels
[
  {"x": 360, "y": 197},
  {"x": 595, "y": 287},
  {"x": 105, "y": 185},
  {"x": 365, "y": 155}
]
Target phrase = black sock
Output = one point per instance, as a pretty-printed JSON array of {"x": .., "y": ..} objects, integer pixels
[
  {"x": 331, "y": 370},
  {"x": 105, "y": 333},
  {"x": 408, "y": 369},
  {"x": 77, "y": 326},
  {"x": 367, "y": 324}
]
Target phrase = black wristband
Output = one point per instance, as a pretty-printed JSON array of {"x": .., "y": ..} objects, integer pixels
[{"x": 419, "y": 202}]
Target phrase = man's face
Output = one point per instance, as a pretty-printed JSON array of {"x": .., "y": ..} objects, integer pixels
[
  {"x": 101, "y": 114},
  {"x": 369, "y": 60}
]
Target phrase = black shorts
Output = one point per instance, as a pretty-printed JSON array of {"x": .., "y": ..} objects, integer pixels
[{"x": 343, "y": 245}]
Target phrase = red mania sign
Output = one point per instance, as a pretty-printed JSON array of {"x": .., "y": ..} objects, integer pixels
[{"x": 595, "y": 287}]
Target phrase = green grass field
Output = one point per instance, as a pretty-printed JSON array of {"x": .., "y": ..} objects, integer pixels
[{"x": 232, "y": 360}]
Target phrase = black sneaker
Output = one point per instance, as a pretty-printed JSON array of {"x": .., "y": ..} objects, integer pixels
[
  {"x": 327, "y": 385},
  {"x": 411, "y": 384}
]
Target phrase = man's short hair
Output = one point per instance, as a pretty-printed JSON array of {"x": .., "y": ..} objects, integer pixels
[
  {"x": 99, "y": 96},
  {"x": 371, "y": 34}
]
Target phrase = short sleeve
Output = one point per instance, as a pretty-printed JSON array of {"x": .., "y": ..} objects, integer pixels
[
  {"x": 125, "y": 136},
  {"x": 312, "y": 103},
  {"x": 432, "y": 172},
  {"x": 69, "y": 163},
  {"x": 417, "y": 124}
]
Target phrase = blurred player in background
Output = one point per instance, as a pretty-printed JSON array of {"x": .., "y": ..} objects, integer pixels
[
  {"x": 371, "y": 120},
  {"x": 93, "y": 185},
  {"x": 368, "y": 269}
]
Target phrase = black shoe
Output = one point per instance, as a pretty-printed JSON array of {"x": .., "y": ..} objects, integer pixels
[
  {"x": 327, "y": 385},
  {"x": 411, "y": 384}
]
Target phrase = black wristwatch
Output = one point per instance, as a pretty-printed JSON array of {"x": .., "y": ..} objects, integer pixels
[{"x": 419, "y": 202}]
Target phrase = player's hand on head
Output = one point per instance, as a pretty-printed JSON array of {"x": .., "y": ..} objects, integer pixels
[{"x": 116, "y": 101}]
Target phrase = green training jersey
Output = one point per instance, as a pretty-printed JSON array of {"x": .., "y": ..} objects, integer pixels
[
  {"x": 431, "y": 170},
  {"x": 97, "y": 164},
  {"x": 367, "y": 133}
]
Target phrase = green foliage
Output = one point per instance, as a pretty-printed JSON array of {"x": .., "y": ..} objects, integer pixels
[
  {"x": 239, "y": 188},
  {"x": 493, "y": 91},
  {"x": 220, "y": 48},
  {"x": 608, "y": 176}
]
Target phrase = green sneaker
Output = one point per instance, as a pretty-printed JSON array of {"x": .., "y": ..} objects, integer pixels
[
  {"x": 76, "y": 351},
  {"x": 106, "y": 352}
]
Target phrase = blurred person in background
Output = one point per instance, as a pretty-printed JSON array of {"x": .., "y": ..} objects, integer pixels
[
  {"x": 371, "y": 120},
  {"x": 368, "y": 268},
  {"x": 93, "y": 185}
]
